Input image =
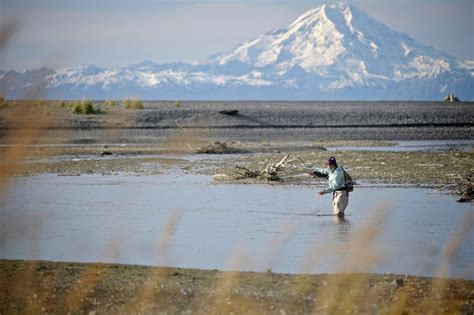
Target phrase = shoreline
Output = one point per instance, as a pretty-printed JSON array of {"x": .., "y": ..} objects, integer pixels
[
  {"x": 43, "y": 287},
  {"x": 449, "y": 169},
  {"x": 42, "y": 262}
]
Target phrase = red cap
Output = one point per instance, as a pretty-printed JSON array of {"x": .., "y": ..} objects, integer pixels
[{"x": 331, "y": 161}]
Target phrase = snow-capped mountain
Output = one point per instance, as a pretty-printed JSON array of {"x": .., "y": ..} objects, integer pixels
[{"x": 331, "y": 52}]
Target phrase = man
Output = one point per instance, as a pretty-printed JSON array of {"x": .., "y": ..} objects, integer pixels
[{"x": 336, "y": 185}]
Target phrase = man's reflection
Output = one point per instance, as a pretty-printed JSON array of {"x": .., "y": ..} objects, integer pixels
[{"x": 343, "y": 227}]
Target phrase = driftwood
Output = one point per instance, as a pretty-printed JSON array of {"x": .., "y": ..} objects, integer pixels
[
  {"x": 214, "y": 148},
  {"x": 269, "y": 173},
  {"x": 467, "y": 193},
  {"x": 218, "y": 147},
  {"x": 244, "y": 172}
]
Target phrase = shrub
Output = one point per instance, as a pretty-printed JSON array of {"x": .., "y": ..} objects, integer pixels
[
  {"x": 137, "y": 104},
  {"x": 133, "y": 104},
  {"x": 177, "y": 104},
  {"x": 110, "y": 103},
  {"x": 3, "y": 104},
  {"x": 85, "y": 107},
  {"x": 77, "y": 109},
  {"x": 6, "y": 104},
  {"x": 127, "y": 103}
]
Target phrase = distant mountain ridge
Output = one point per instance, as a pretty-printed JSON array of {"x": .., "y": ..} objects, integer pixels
[{"x": 332, "y": 52}]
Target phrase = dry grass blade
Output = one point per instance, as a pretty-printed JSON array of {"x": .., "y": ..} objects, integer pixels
[
  {"x": 289, "y": 229},
  {"x": 144, "y": 299},
  {"x": 29, "y": 124},
  {"x": 166, "y": 236},
  {"x": 29, "y": 274},
  {"x": 220, "y": 299},
  {"x": 462, "y": 232},
  {"x": 7, "y": 29},
  {"x": 340, "y": 293},
  {"x": 440, "y": 291}
]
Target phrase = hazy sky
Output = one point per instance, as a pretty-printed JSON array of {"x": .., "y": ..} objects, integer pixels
[{"x": 116, "y": 33}]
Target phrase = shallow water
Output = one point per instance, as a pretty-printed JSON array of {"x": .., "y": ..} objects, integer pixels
[
  {"x": 98, "y": 157},
  {"x": 123, "y": 219},
  {"x": 415, "y": 146}
]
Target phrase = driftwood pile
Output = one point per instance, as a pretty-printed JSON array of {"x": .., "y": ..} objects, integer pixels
[
  {"x": 216, "y": 147},
  {"x": 269, "y": 173},
  {"x": 466, "y": 189}
]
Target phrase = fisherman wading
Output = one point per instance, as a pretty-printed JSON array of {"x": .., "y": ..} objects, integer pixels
[{"x": 338, "y": 185}]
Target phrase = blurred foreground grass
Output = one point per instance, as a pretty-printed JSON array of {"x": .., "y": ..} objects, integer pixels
[{"x": 29, "y": 287}]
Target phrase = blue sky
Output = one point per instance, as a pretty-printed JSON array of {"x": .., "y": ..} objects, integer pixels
[{"x": 115, "y": 33}]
